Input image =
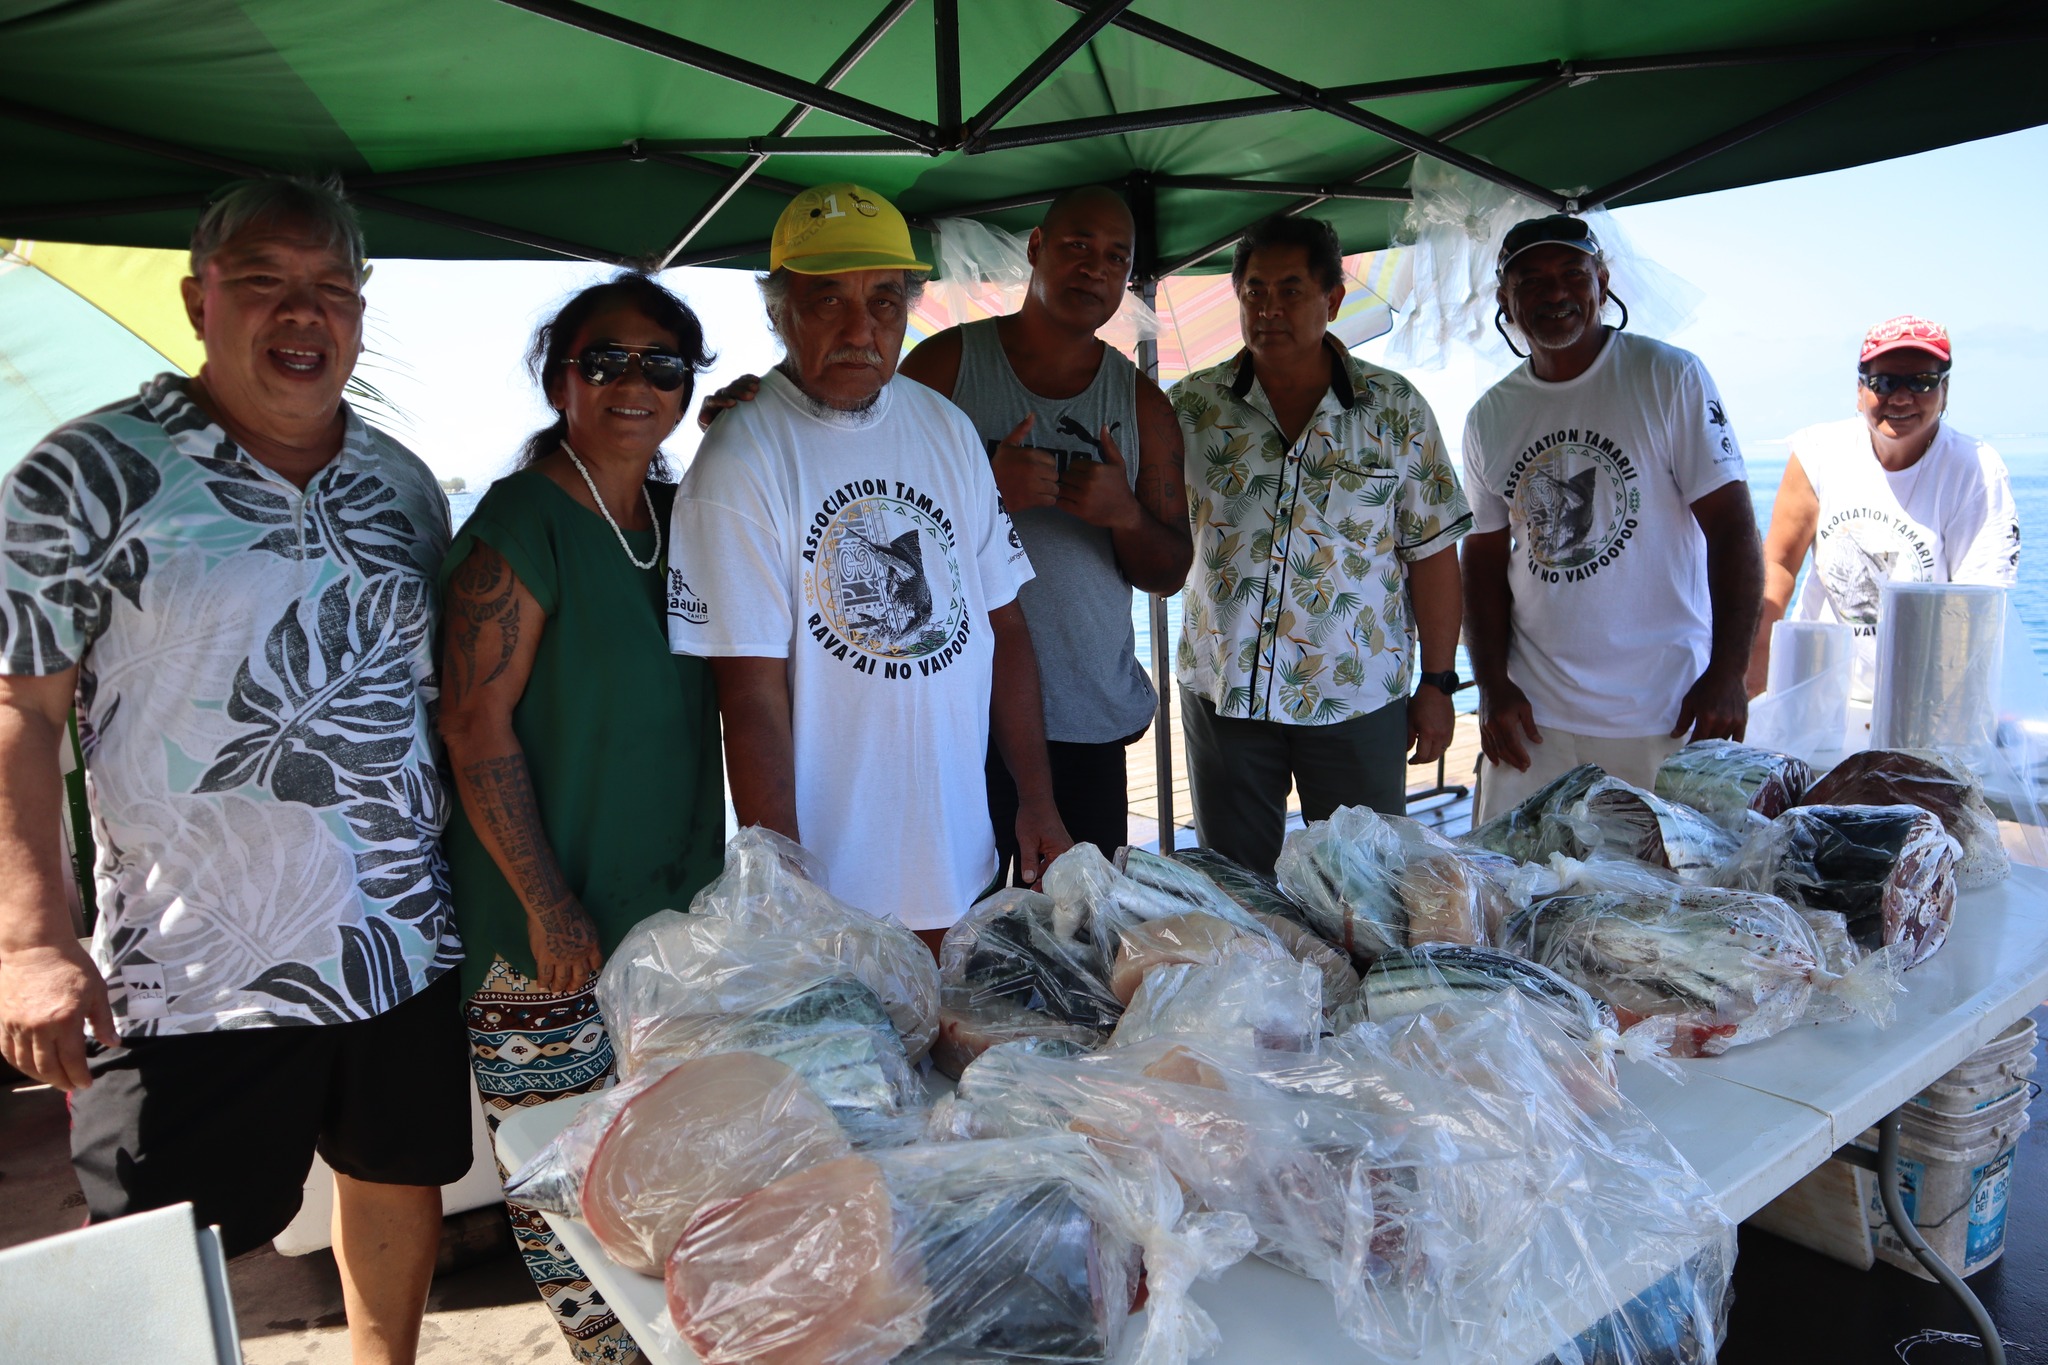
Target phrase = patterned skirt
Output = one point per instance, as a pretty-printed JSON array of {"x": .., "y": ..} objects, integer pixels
[{"x": 528, "y": 1047}]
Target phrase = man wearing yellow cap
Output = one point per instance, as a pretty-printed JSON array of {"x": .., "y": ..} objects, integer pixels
[{"x": 839, "y": 553}]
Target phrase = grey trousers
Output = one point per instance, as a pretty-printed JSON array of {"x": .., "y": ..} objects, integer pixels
[{"x": 1240, "y": 771}]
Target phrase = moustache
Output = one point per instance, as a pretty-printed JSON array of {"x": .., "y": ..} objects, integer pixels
[{"x": 855, "y": 355}]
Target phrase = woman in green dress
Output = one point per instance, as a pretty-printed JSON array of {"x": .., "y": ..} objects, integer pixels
[{"x": 585, "y": 755}]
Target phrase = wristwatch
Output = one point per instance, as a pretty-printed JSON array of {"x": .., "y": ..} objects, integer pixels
[{"x": 1445, "y": 682}]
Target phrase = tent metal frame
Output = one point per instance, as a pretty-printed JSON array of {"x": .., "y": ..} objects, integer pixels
[{"x": 981, "y": 132}]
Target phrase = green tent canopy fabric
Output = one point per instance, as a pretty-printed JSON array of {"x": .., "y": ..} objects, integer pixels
[{"x": 659, "y": 133}]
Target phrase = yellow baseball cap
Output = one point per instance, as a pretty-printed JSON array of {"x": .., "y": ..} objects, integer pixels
[{"x": 828, "y": 229}]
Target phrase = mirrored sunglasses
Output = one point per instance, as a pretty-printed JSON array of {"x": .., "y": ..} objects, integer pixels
[
  {"x": 1884, "y": 385},
  {"x": 600, "y": 365}
]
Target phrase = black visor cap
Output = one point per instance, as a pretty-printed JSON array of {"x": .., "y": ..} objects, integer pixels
[{"x": 1559, "y": 229}]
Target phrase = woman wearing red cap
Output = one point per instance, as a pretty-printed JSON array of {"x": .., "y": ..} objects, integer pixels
[{"x": 1892, "y": 493}]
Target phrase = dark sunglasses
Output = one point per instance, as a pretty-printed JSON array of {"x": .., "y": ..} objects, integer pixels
[
  {"x": 600, "y": 365},
  {"x": 1884, "y": 385}
]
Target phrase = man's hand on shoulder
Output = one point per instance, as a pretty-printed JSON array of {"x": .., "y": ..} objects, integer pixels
[
  {"x": 741, "y": 390},
  {"x": 1715, "y": 707},
  {"x": 1505, "y": 720},
  {"x": 49, "y": 994}
]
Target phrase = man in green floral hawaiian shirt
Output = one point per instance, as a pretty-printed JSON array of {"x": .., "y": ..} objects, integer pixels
[
  {"x": 1326, "y": 520},
  {"x": 233, "y": 579}
]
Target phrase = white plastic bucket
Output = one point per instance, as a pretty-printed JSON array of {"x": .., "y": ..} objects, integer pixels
[
  {"x": 1992, "y": 1073},
  {"x": 1955, "y": 1177}
]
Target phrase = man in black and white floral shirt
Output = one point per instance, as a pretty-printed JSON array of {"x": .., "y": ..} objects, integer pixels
[{"x": 232, "y": 578}]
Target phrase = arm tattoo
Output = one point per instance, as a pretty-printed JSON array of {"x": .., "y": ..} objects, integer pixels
[
  {"x": 484, "y": 592},
  {"x": 503, "y": 795}
]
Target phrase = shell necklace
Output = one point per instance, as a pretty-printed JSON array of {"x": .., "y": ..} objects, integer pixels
[{"x": 598, "y": 498}]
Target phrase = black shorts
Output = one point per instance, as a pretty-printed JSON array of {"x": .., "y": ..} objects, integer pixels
[{"x": 230, "y": 1120}]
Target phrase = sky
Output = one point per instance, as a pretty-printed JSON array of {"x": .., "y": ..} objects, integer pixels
[{"x": 1789, "y": 275}]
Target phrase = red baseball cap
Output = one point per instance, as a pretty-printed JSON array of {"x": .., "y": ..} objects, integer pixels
[{"x": 1905, "y": 332}]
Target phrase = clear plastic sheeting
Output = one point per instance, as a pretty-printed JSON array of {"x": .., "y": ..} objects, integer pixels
[
  {"x": 1586, "y": 813},
  {"x": 1254, "y": 891},
  {"x": 1325, "y": 1183},
  {"x": 1445, "y": 294},
  {"x": 1940, "y": 784},
  {"x": 767, "y": 960},
  {"x": 1015, "y": 1250},
  {"x": 1374, "y": 884},
  {"x": 638, "y": 1161},
  {"x": 1246, "y": 1000},
  {"x": 1517, "y": 1252},
  {"x": 1728, "y": 781},
  {"x": 1888, "y": 871},
  {"x": 1804, "y": 709},
  {"x": 1728, "y": 967},
  {"x": 1008, "y": 972}
]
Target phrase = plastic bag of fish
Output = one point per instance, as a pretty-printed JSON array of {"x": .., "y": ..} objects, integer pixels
[
  {"x": 1536, "y": 1269},
  {"x": 767, "y": 961},
  {"x": 1065, "y": 963},
  {"x": 1284, "y": 917},
  {"x": 1013, "y": 1250},
  {"x": 1586, "y": 814},
  {"x": 1436, "y": 976},
  {"x": 1406, "y": 1168},
  {"x": 639, "y": 1160},
  {"x": 1728, "y": 967},
  {"x": 1937, "y": 783},
  {"x": 1889, "y": 871},
  {"x": 1323, "y": 1182},
  {"x": 1374, "y": 884},
  {"x": 1728, "y": 781}
]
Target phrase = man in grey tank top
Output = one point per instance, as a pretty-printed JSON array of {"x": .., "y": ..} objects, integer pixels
[{"x": 1087, "y": 457}]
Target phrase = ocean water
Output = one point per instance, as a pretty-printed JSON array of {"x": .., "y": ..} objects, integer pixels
[{"x": 2025, "y": 456}]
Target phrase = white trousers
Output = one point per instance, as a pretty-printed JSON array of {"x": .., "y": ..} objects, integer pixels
[{"x": 1634, "y": 760}]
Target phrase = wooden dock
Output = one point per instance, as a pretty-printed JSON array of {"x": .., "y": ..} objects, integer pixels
[{"x": 1449, "y": 811}]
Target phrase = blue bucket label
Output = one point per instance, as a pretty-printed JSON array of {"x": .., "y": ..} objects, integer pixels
[{"x": 1990, "y": 1188}]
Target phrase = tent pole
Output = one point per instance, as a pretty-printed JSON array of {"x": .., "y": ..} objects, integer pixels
[
  {"x": 682, "y": 50},
  {"x": 1098, "y": 17},
  {"x": 946, "y": 67},
  {"x": 1776, "y": 118},
  {"x": 1182, "y": 115},
  {"x": 1138, "y": 192},
  {"x": 1464, "y": 125},
  {"x": 1189, "y": 45}
]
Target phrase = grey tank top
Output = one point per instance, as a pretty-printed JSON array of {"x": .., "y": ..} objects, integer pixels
[{"x": 1078, "y": 604}]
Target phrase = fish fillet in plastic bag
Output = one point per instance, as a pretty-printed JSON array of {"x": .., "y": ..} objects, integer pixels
[
  {"x": 639, "y": 1160},
  {"x": 1375, "y": 883},
  {"x": 757, "y": 939},
  {"x": 1725, "y": 779},
  {"x": 1889, "y": 871},
  {"x": 1937, "y": 783},
  {"x": 1008, "y": 971},
  {"x": 1010, "y": 1250},
  {"x": 1252, "y": 1000},
  {"x": 1730, "y": 967}
]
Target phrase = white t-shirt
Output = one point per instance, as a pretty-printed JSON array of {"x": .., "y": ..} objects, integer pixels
[
  {"x": 1947, "y": 519},
  {"x": 1595, "y": 478},
  {"x": 868, "y": 550}
]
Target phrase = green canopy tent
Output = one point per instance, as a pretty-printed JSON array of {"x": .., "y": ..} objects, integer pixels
[
  {"x": 668, "y": 134},
  {"x": 671, "y": 133}
]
